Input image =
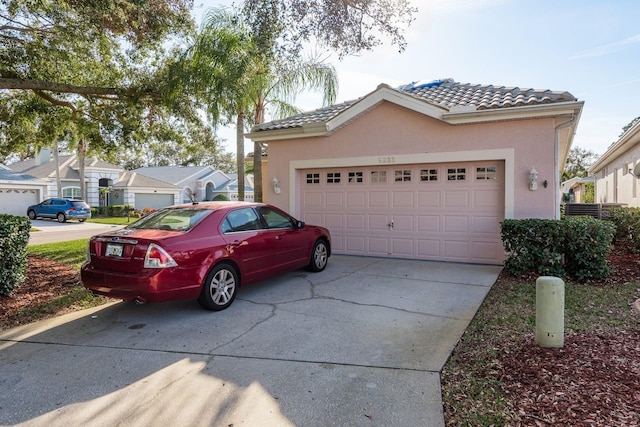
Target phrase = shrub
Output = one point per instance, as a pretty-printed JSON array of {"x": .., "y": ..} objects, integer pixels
[
  {"x": 221, "y": 198},
  {"x": 627, "y": 222},
  {"x": 14, "y": 237},
  {"x": 577, "y": 246}
]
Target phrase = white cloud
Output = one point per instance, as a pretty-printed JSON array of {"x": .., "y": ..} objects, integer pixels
[{"x": 608, "y": 48}]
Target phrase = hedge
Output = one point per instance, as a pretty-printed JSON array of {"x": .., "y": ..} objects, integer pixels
[
  {"x": 574, "y": 246},
  {"x": 627, "y": 222},
  {"x": 14, "y": 238}
]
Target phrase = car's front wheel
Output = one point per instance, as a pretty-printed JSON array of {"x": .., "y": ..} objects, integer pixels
[
  {"x": 31, "y": 214},
  {"x": 319, "y": 256},
  {"x": 220, "y": 288},
  {"x": 61, "y": 217}
]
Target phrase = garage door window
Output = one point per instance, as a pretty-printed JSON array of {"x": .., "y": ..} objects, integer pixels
[
  {"x": 403, "y": 175},
  {"x": 313, "y": 178},
  {"x": 333, "y": 178},
  {"x": 378, "y": 177},
  {"x": 355, "y": 177},
  {"x": 427, "y": 175},
  {"x": 488, "y": 172},
  {"x": 456, "y": 174}
]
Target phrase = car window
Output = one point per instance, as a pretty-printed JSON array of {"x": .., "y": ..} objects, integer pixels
[
  {"x": 47, "y": 202},
  {"x": 79, "y": 204},
  {"x": 275, "y": 219},
  {"x": 241, "y": 220},
  {"x": 172, "y": 219}
]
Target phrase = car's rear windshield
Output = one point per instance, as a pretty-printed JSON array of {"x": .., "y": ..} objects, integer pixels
[
  {"x": 79, "y": 204},
  {"x": 172, "y": 219}
]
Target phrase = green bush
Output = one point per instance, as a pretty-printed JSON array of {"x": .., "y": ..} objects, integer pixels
[
  {"x": 14, "y": 237},
  {"x": 627, "y": 222},
  {"x": 221, "y": 198},
  {"x": 575, "y": 246}
]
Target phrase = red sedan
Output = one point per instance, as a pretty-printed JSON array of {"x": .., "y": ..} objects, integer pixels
[{"x": 201, "y": 251}]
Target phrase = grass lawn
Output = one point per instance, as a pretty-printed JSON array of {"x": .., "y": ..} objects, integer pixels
[
  {"x": 113, "y": 220},
  {"x": 71, "y": 253}
]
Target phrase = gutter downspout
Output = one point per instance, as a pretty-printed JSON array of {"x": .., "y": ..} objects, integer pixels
[{"x": 558, "y": 175}]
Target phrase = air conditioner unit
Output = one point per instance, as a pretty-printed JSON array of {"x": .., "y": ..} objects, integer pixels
[{"x": 635, "y": 171}]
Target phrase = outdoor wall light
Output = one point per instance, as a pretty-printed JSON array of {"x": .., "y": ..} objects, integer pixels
[
  {"x": 276, "y": 185},
  {"x": 533, "y": 179}
]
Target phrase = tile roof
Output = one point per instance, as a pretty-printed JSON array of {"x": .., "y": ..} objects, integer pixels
[
  {"x": 174, "y": 174},
  {"x": 68, "y": 169},
  {"x": 10, "y": 175},
  {"x": 135, "y": 180},
  {"x": 445, "y": 93}
]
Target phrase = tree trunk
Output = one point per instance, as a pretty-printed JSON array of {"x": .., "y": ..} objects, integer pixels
[
  {"x": 56, "y": 156},
  {"x": 257, "y": 155},
  {"x": 257, "y": 171},
  {"x": 240, "y": 154},
  {"x": 82, "y": 153}
]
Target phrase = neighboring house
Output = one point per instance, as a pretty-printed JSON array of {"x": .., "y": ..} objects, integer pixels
[
  {"x": 573, "y": 190},
  {"x": 106, "y": 184},
  {"x": 616, "y": 171},
  {"x": 18, "y": 191},
  {"x": 424, "y": 171},
  {"x": 201, "y": 182}
]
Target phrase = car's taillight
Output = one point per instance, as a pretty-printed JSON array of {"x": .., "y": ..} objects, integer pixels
[{"x": 158, "y": 258}]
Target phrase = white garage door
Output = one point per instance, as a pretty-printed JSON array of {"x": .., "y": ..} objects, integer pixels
[
  {"x": 446, "y": 212},
  {"x": 152, "y": 201},
  {"x": 15, "y": 201}
]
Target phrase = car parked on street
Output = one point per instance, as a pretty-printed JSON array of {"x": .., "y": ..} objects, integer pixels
[
  {"x": 60, "y": 209},
  {"x": 202, "y": 251}
]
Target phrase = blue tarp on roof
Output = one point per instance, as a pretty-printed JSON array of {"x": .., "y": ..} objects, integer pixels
[{"x": 420, "y": 84}]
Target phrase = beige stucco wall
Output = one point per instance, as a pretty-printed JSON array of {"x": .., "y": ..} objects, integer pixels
[
  {"x": 390, "y": 134},
  {"x": 614, "y": 183}
]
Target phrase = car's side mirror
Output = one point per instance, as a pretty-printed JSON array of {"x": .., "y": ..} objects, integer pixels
[{"x": 299, "y": 225}]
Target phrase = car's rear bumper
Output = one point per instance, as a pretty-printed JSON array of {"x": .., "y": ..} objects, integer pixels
[{"x": 152, "y": 285}]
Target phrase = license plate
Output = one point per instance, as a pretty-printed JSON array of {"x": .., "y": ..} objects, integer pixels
[{"x": 114, "y": 250}]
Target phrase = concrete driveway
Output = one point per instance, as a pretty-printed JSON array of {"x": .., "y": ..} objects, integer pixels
[
  {"x": 50, "y": 230},
  {"x": 360, "y": 344}
]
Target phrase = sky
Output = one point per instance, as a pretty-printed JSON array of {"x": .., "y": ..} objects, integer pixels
[{"x": 586, "y": 47}]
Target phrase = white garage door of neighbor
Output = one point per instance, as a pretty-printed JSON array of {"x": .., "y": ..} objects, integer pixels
[
  {"x": 153, "y": 201},
  {"x": 446, "y": 212},
  {"x": 15, "y": 201}
]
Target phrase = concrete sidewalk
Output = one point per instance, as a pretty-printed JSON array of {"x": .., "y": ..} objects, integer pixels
[{"x": 360, "y": 344}]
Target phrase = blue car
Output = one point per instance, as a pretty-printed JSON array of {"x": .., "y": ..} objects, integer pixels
[{"x": 60, "y": 209}]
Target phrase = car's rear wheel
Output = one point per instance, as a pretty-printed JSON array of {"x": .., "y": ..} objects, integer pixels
[
  {"x": 31, "y": 214},
  {"x": 220, "y": 288},
  {"x": 61, "y": 217},
  {"x": 319, "y": 256}
]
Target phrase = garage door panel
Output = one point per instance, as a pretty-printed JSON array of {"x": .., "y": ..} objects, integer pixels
[
  {"x": 332, "y": 221},
  {"x": 379, "y": 246},
  {"x": 490, "y": 225},
  {"x": 429, "y": 199},
  {"x": 435, "y": 215},
  {"x": 379, "y": 222},
  {"x": 457, "y": 250},
  {"x": 456, "y": 199},
  {"x": 356, "y": 200},
  {"x": 403, "y": 199},
  {"x": 379, "y": 199},
  {"x": 316, "y": 218},
  {"x": 484, "y": 251},
  {"x": 334, "y": 200},
  {"x": 403, "y": 247},
  {"x": 403, "y": 222},
  {"x": 487, "y": 199},
  {"x": 429, "y": 249},
  {"x": 313, "y": 199},
  {"x": 456, "y": 224},
  {"x": 355, "y": 244},
  {"x": 430, "y": 223}
]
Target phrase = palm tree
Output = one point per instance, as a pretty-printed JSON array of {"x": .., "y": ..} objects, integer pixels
[{"x": 238, "y": 80}]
